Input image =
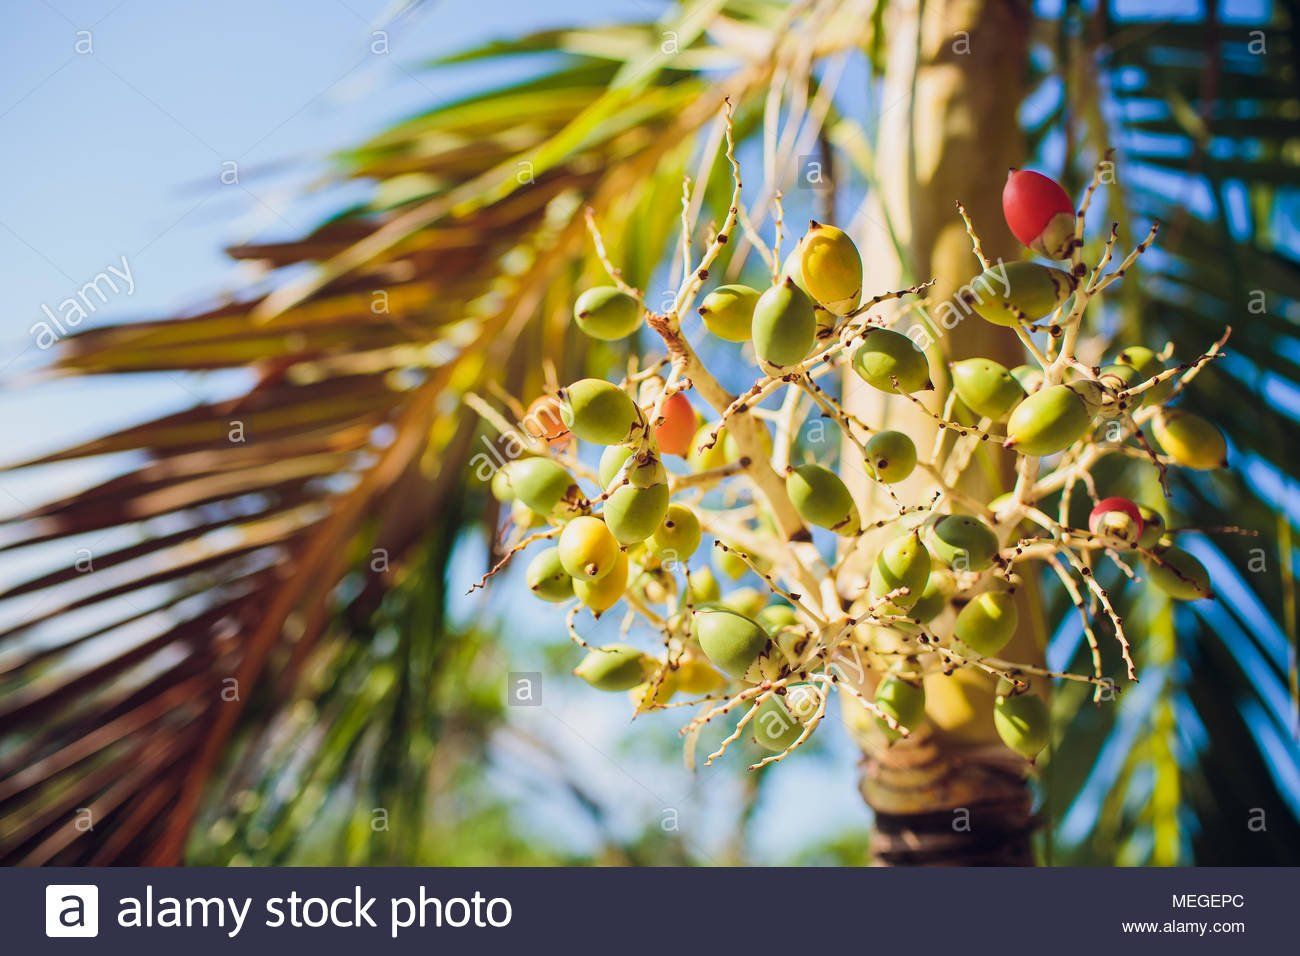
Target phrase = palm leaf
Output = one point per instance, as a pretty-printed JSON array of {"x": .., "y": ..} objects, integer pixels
[{"x": 1201, "y": 121}]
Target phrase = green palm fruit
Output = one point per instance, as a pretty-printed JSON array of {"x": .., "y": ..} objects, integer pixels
[
  {"x": 704, "y": 586},
  {"x": 588, "y": 549},
  {"x": 614, "y": 667},
  {"x": 724, "y": 450},
  {"x": 902, "y": 563},
  {"x": 1023, "y": 723},
  {"x": 776, "y": 616},
  {"x": 641, "y": 693},
  {"x": 775, "y": 728},
  {"x": 822, "y": 498},
  {"x": 1026, "y": 292},
  {"x": 633, "y": 514},
  {"x": 1030, "y": 377},
  {"x": 986, "y": 387},
  {"x": 677, "y": 536},
  {"x": 600, "y": 412},
  {"x": 746, "y": 601},
  {"x": 1179, "y": 574},
  {"x": 602, "y": 594},
  {"x": 987, "y": 623},
  {"x": 902, "y": 700},
  {"x": 963, "y": 543},
  {"x": 1119, "y": 377},
  {"x": 1147, "y": 365},
  {"x": 730, "y": 640},
  {"x": 1048, "y": 421},
  {"x": 784, "y": 326},
  {"x": 790, "y": 268},
  {"x": 728, "y": 312},
  {"x": 647, "y": 470},
  {"x": 1190, "y": 440},
  {"x": 939, "y": 590},
  {"x": 654, "y": 583},
  {"x": 1092, "y": 394},
  {"x": 885, "y": 355},
  {"x": 547, "y": 578},
  {"x": 891, "y": 456},
  {"x": 831, "y": 268},
  {"x": 826, "y": 320},
  {"x": 501, "y": 487},
  {"x": 611, "y": 460},
  {"x": 541, "y": 484},
  {"x": 1113, "y": 381},
  {"x": 1153, "y": 527},
  {"x": 696, "y": 676},
  {"x": 730, "y": 563},
  {"x": 707, "y": 459},
  {"x": 606, "y": 313}
]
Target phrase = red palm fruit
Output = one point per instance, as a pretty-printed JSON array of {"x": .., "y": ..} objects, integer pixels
[
  {"x": 675, "y": 432},
  {"x": 1039, "y": 212},
  {"x": 1116, "y": 518},
  {"x": 543, "y": 420}
]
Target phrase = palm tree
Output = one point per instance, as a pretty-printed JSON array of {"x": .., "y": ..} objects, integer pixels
[{"x": 281, "y": 555}]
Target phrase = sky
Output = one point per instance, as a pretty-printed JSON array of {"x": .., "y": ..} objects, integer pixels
[{"x": 119, "y": 119}]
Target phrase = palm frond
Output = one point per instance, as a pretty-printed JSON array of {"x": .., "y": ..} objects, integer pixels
[{"x": 1203, "y": 115}]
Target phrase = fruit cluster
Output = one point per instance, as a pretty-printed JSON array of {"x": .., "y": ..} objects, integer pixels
[{"x": 683, "y": 460}]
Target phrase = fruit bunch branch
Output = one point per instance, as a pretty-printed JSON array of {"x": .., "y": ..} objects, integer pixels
[{"x": 682, "y": 457}]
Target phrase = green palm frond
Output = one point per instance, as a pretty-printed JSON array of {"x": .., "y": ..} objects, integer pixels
[{"x": 1204, "y": 117}]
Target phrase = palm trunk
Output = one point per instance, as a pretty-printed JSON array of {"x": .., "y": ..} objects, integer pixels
[{"x": 955, "y": 78}]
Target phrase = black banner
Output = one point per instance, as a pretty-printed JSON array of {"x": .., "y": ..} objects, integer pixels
[{"x": 630, "y": 911}]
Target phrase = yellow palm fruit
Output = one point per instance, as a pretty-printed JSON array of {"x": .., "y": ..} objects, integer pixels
[
  {"x": 831, "y": 268},
  {"x": 1190, "y": 440},
  {"x": 602, "y": 594},
  {"x": 588, "y": 549},
  {"x": 728, "y": 312}
]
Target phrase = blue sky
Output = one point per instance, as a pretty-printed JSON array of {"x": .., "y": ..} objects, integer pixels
[{"x": 119, "y": 151}]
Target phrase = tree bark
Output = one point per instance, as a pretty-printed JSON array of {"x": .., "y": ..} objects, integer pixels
[{"x": 948, "y": 131}]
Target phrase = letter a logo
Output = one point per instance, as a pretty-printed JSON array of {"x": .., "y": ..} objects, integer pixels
[{"x": 71, "y": 909}]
